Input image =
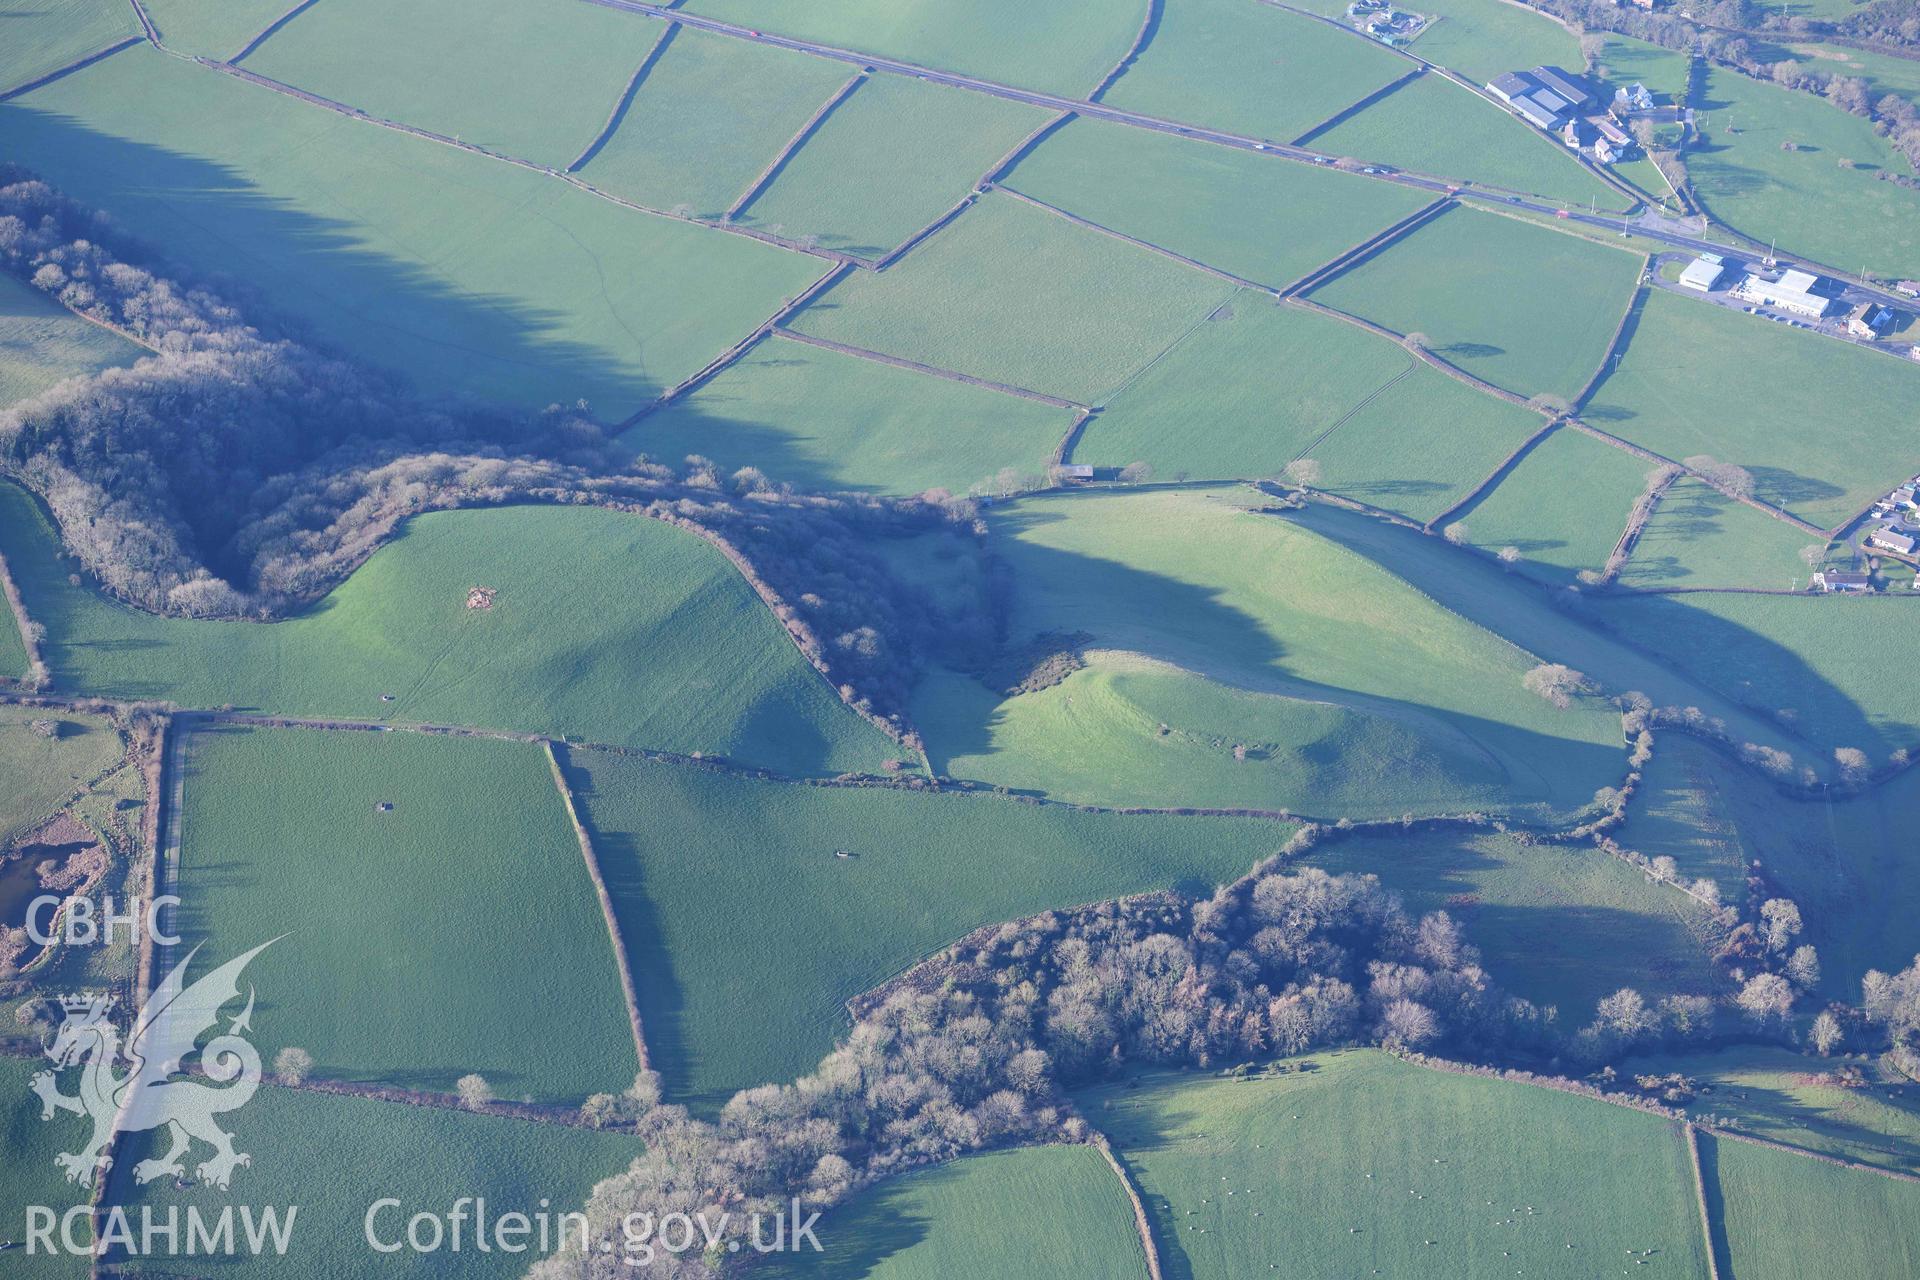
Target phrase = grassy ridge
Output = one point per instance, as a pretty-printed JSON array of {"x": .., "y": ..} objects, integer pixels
[
  {"x": 608, "y": 627},
  {"x": 455, "y": 932},
  {"x": 691, "y": 855},
  {"x": 42, "y": 342},
  {"x": 426, "y": 1158},
  {"x": 1012, "y": 293},
  {"x": 1471, "y": 282},
  {"x": 1250, "y": 69},
  {"x": 475, "y": 277},
  {"x": 1686, "y": 363},
  {"x": 1254, "y": 604},
  {"x": 888, "y": 161},
  {"x": 1365, "y": 1163},
  {"x": 826, "y": 420},
  {"x": 533, "y": 80},
  {"x": 1043, "y": 1213}
]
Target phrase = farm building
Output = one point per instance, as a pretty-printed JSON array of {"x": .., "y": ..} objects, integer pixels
[
  {"x": 1704, "y": 273},
  {"x": 1632, "y": 98},
  {"x": 1794, "y": 291},
  {"x": 1544, "y": 97},
  {"x": 1613, "y": 133},
  {"x": 1888, "y": 538},
  {"x": 1074, "y": 472},
  {"x": 1841, "y": 580},
  {"x": 1869, "y": 320}
]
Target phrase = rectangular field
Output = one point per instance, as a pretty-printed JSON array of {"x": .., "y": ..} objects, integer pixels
[
  {"x": 1433, "y": 126},
  {"x": 708, "y": 116},
  {"x": 1786, "y": 1215},
  {"x": 1687, "y": 362},
  {"x": 1251, "y": 69},
  {"x": 50, "y": 34},
  {"x": 529, "y": 78},
  {"x": 1472, "y": 283},
  {"x": 1256, "y": 216},
  {"x": 1483, "y": 38},
  {"x": 41, "y": 343},
  {"x": 694, "y": 854},
  {"x": 607, "y": 627},
  {"x": 1063, "y": 49},
  {"x": 1563, "y": 506},
  {"x": 1699, "y": 537},
  {"x": 887, "y": 161},
  {"x": 476, "y": 277},
  {"x": 826, "y": 420},
  {"x": 1363, "y": 1163},
  {"x": 205, "y": 30},
  {"x": 1015, "y": 294},
  {"x": 432, "y": 906}
]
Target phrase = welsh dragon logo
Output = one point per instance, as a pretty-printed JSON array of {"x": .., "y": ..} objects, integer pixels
[{"x": 143, "y": 1095}]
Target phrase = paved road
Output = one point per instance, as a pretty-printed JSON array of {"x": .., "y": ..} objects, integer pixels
[{"x": 1644, "y": 222}]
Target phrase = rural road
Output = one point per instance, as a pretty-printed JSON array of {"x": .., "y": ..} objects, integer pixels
[{"x": 1644, "y": 223}]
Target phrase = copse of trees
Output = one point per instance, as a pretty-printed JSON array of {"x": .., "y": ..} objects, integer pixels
[{"x": 973, "y": 1048}]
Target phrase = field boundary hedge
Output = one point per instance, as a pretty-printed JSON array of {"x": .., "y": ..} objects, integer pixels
[
  {"x": 1357, "y": 253},
  {"x": 1149, "y": 24},
  {"x": 1495, "y": 477},
  {"x": 1099, "y": 1142},
  {"x": 36, "y": 673},
  {"x": 1627, "y": 317},
  {"x": 260, "y": 37},
  {"x": 1445, "y": 366},
  {"x": 60, "y": 73},
  {"x": 900, "y": 362},
  {"x": 1692, "y": 1138},
  {"x": 1641, "y": 451},
  {"x": 1090, "y": 225},
  {"x": 765, "y": 177},
  {"x": 992, "y": 175},
  {"x": 1353, "y": 109},
  {"x": 624, "y": 101}
]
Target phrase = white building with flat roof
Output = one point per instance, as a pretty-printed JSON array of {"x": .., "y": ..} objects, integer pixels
[
  {"x": 1704, "y": 273},
  {"x": 1794, "y": 291}
]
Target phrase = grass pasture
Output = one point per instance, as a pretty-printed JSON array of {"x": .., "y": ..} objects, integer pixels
[
  {"x": 1215, "y": 627},
  {"x": 607, "y": 627},
  {"x": 29, "y": 1176},
  {"x": 692, "y": 854},
  {"x": 46, "y": 35},
  {"x": 1807, "y": 197},
  {"x": 1483, "y": 38},
  {"x": 1681, "y": 811},
  {"x": 532, "y": 80},
  {"x": 1699, "y": 537},
  {"x": 1686, "y": 362},
  {"x": 892, "y": 157},
  {"x": 1041, "y": 1213},
  {"x": 428, "y": 1158},
  {"x": 1254, "y": 216},
  {"x": 1433, "y": 126},
  {"x": 827, "y": 420},
  {"x": 392, "y": 249},
  {"x": 42, "y": 343},
  {"x": 410, "y": 952},
  {"x": 1468, "y": 280},
  {"x": 709, "y": 115},
  {"x": 1785, "y": 1216},
  {"x": 42, "y": 773},
  {"x": 1558, "y": 925},
  {"x": 1361, "y": 1162},
  {"x": 1882, "y": 72},
  {"x": 1015, "y": 294},
  {"x": 1261, "y": 384},
  {"x": 1562, "y": 507},
  {"x": 1250, "y": 69},
  {"x": 211, "y": 30},
  {"x": 1063, "y": 49}
]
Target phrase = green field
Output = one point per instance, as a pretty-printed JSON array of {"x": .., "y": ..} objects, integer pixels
[
  {"x": 826, "y": 420},
  {"x": 1435, "y": 127},
  {"x": 46, "y": 35},
  {"x": 476, "y": 277},
  {"x": 1255, "y": 216},
  {"x": 1699, "y": 537},
  {"x": 707, "y": 118},
  {"x": 1818, "y": 656},
  {"x": 210, "y": 30},
  {"x": 1681, "y": 810},
  {"x": 1012, "y": 293},
  {"x": 1364, "y": 1163},
  {"x": 1687, "y": 362},
  {"x": 532, "y": 80},
  {"x": 1787, "y": 1216},
  {"x": 1251, "y": 69},
  {"x": 1804, "y": 198},
  {"x": 1775, "y": 1093},
  {"x": 1484, "y": 38},
  {"x": 42, "y": 773},
  {"x": 28, "y": 1176},
  {"x": 456, "y": 932},
  {"x": 1624, "y": 60},
  {"x": 426, "y": 1158},
  {"x": 1263, "y": 384},
  {"x": 1215, "y": 628},
  {"x": 41, "y": 343},
  {"x": 608, "y": 627},
  {"x": 1559, "y": 925},
  {"x": 890, "y": 159},
  {"x": 1883, "y": 73},
  {"x": 691, "y": 855},
  {"x": 1562, "y": 507},
  {"x": 1064, "y": 49},
  {"x": 1470, "y": 282},
  {"x": 1041, "y": 1213}
]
